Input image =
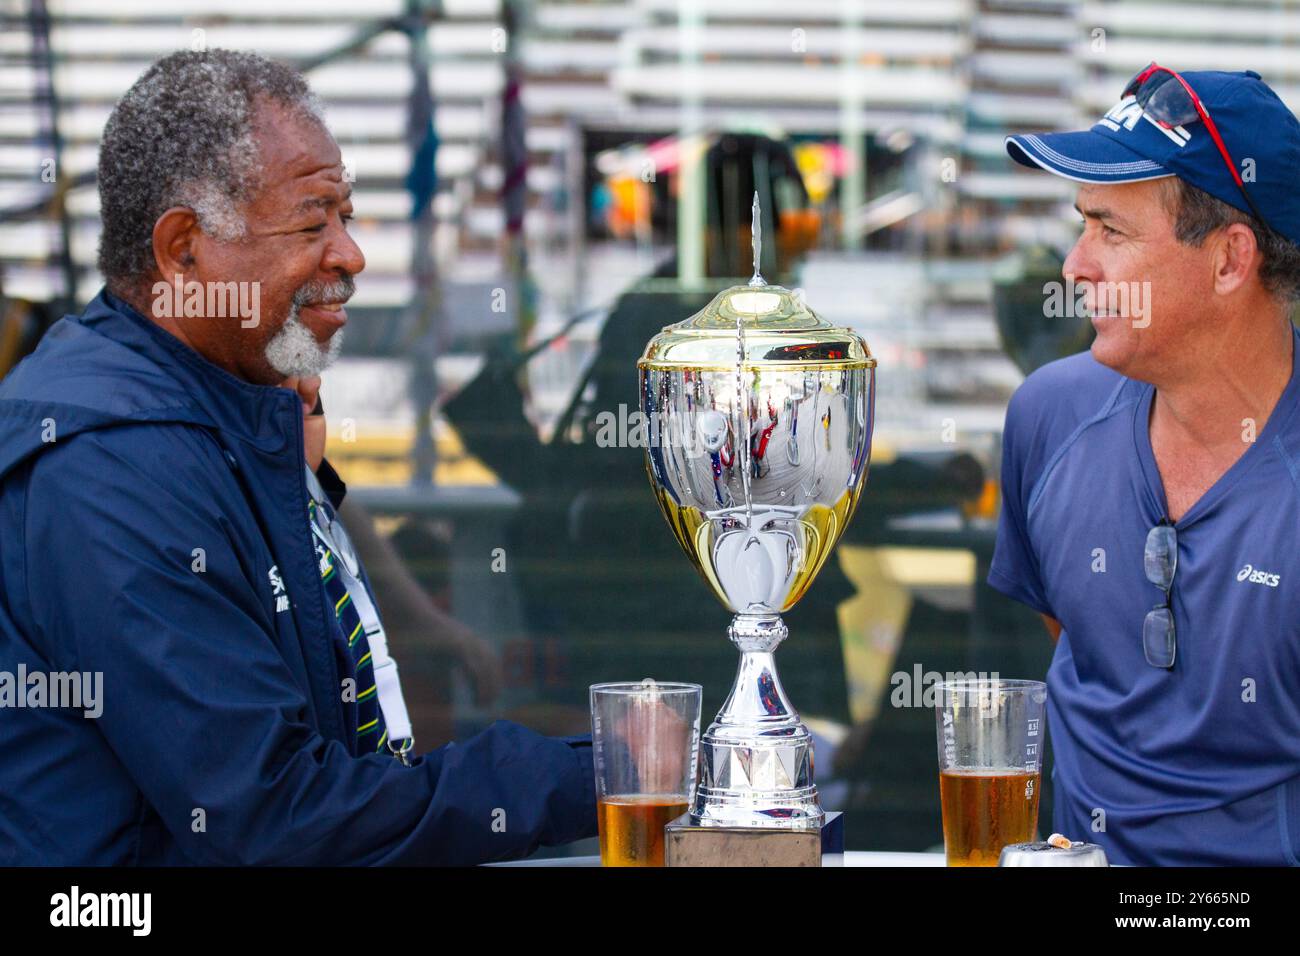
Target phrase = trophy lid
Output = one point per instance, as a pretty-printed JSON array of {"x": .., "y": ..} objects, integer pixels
[
  {"x": 776, "y": 326},
  {"x": 756, "y": 325}
]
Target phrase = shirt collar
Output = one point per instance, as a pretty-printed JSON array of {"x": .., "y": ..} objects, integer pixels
[{"x": 260, "y": 414}]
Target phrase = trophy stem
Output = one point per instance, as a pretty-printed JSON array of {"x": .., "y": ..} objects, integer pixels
[{"x": 757, "y": 754}]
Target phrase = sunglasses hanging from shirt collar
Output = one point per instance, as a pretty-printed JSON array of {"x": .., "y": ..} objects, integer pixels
[{"x": 1160, "y": 561}]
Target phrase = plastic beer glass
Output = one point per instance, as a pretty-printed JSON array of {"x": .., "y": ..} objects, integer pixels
[
  {"x": 646, "y": 739},
  {"x": 991, "y": 734}
]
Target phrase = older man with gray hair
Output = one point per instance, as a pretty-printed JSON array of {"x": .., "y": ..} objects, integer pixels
[{"x": 167, "y": 519}]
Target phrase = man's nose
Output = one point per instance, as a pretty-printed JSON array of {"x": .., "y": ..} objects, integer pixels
[
  {"x": 1079, "y": 265},
  {"x": 343, "y": 253}
]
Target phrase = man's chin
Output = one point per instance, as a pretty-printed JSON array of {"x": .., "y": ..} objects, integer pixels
[
  {"x": 301, "y": 355},
  {"x": 1115, "y": 350}
]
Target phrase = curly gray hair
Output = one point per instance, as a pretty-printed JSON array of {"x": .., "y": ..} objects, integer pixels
[{"x": 182, "y": 136}]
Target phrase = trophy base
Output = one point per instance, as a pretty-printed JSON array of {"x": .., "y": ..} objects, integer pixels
[
  {"x": 687, "y": 842},
  {"x": 785, "y": 809},
  {"x": 756, "y": 759}
]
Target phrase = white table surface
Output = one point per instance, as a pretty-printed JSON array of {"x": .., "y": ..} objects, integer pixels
[{"x": 851, "y": 858}]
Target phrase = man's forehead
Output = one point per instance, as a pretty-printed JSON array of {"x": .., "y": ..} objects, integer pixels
[
  {"x": 295, "y": 150},
  {"x": 1118, "y": 200}
]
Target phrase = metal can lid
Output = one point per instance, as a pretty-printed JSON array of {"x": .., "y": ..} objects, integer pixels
[{"x": 1043, "y": 853}]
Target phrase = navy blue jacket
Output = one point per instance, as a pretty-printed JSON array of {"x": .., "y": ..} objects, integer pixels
[{"x": 223, "y": 737}]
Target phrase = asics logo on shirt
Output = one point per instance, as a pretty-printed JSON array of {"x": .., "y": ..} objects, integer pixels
[{"x": 1248, "y": 573}]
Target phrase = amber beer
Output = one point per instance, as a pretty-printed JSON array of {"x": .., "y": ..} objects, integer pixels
[
  {"x": 632, "y": 827},
  {"x": 985, "y": 810}
]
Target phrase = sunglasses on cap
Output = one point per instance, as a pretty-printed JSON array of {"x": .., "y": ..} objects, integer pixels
[{"x": 1170, "y": 100}]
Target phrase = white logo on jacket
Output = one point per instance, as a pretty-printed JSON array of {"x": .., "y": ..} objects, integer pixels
[{"x": 277, "y": 590}]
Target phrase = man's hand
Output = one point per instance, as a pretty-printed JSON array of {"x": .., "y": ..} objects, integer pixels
[
  {"x": 657, "y": 738},
  {"x": 480, "y": 660},
  {"x": 313, "y": 421}
]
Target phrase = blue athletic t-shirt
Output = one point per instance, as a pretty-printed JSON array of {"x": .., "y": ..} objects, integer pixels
[{"x": 1195, "y": 765}]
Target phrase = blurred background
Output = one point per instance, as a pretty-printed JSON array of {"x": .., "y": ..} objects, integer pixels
[{"x": 540, "y": 186}]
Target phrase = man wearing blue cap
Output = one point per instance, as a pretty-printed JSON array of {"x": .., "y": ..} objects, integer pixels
[{"x": 1151, "y": 486}]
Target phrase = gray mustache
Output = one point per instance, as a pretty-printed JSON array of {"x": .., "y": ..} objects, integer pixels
[{"x": 314, "y": 292}]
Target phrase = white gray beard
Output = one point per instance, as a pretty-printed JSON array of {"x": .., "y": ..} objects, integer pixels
[{"x": 294, "y": 351}]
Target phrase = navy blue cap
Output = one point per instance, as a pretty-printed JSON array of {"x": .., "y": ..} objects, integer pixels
[{"x": 1126, "y": 145}]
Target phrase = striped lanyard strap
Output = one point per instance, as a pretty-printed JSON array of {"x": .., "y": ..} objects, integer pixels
[{"x": 330, "y": 530}]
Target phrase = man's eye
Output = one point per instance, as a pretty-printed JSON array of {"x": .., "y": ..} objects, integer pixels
[
  {"x": 320, "y": 227},
  {"x": 1108, "y": 231}
]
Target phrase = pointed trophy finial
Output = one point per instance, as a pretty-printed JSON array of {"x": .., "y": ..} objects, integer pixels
[{"x": 756, "y": 232}]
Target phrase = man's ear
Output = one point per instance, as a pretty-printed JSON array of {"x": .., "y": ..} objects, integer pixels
[
  {"x": 1236, "y": 257},
  {"x": 174, "y": 237}
]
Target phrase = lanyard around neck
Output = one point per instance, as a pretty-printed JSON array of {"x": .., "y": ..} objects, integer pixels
[{"x": 331, "y": 531}]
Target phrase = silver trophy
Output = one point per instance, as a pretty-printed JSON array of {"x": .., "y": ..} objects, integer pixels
[{"x": 760, "y": 416}]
